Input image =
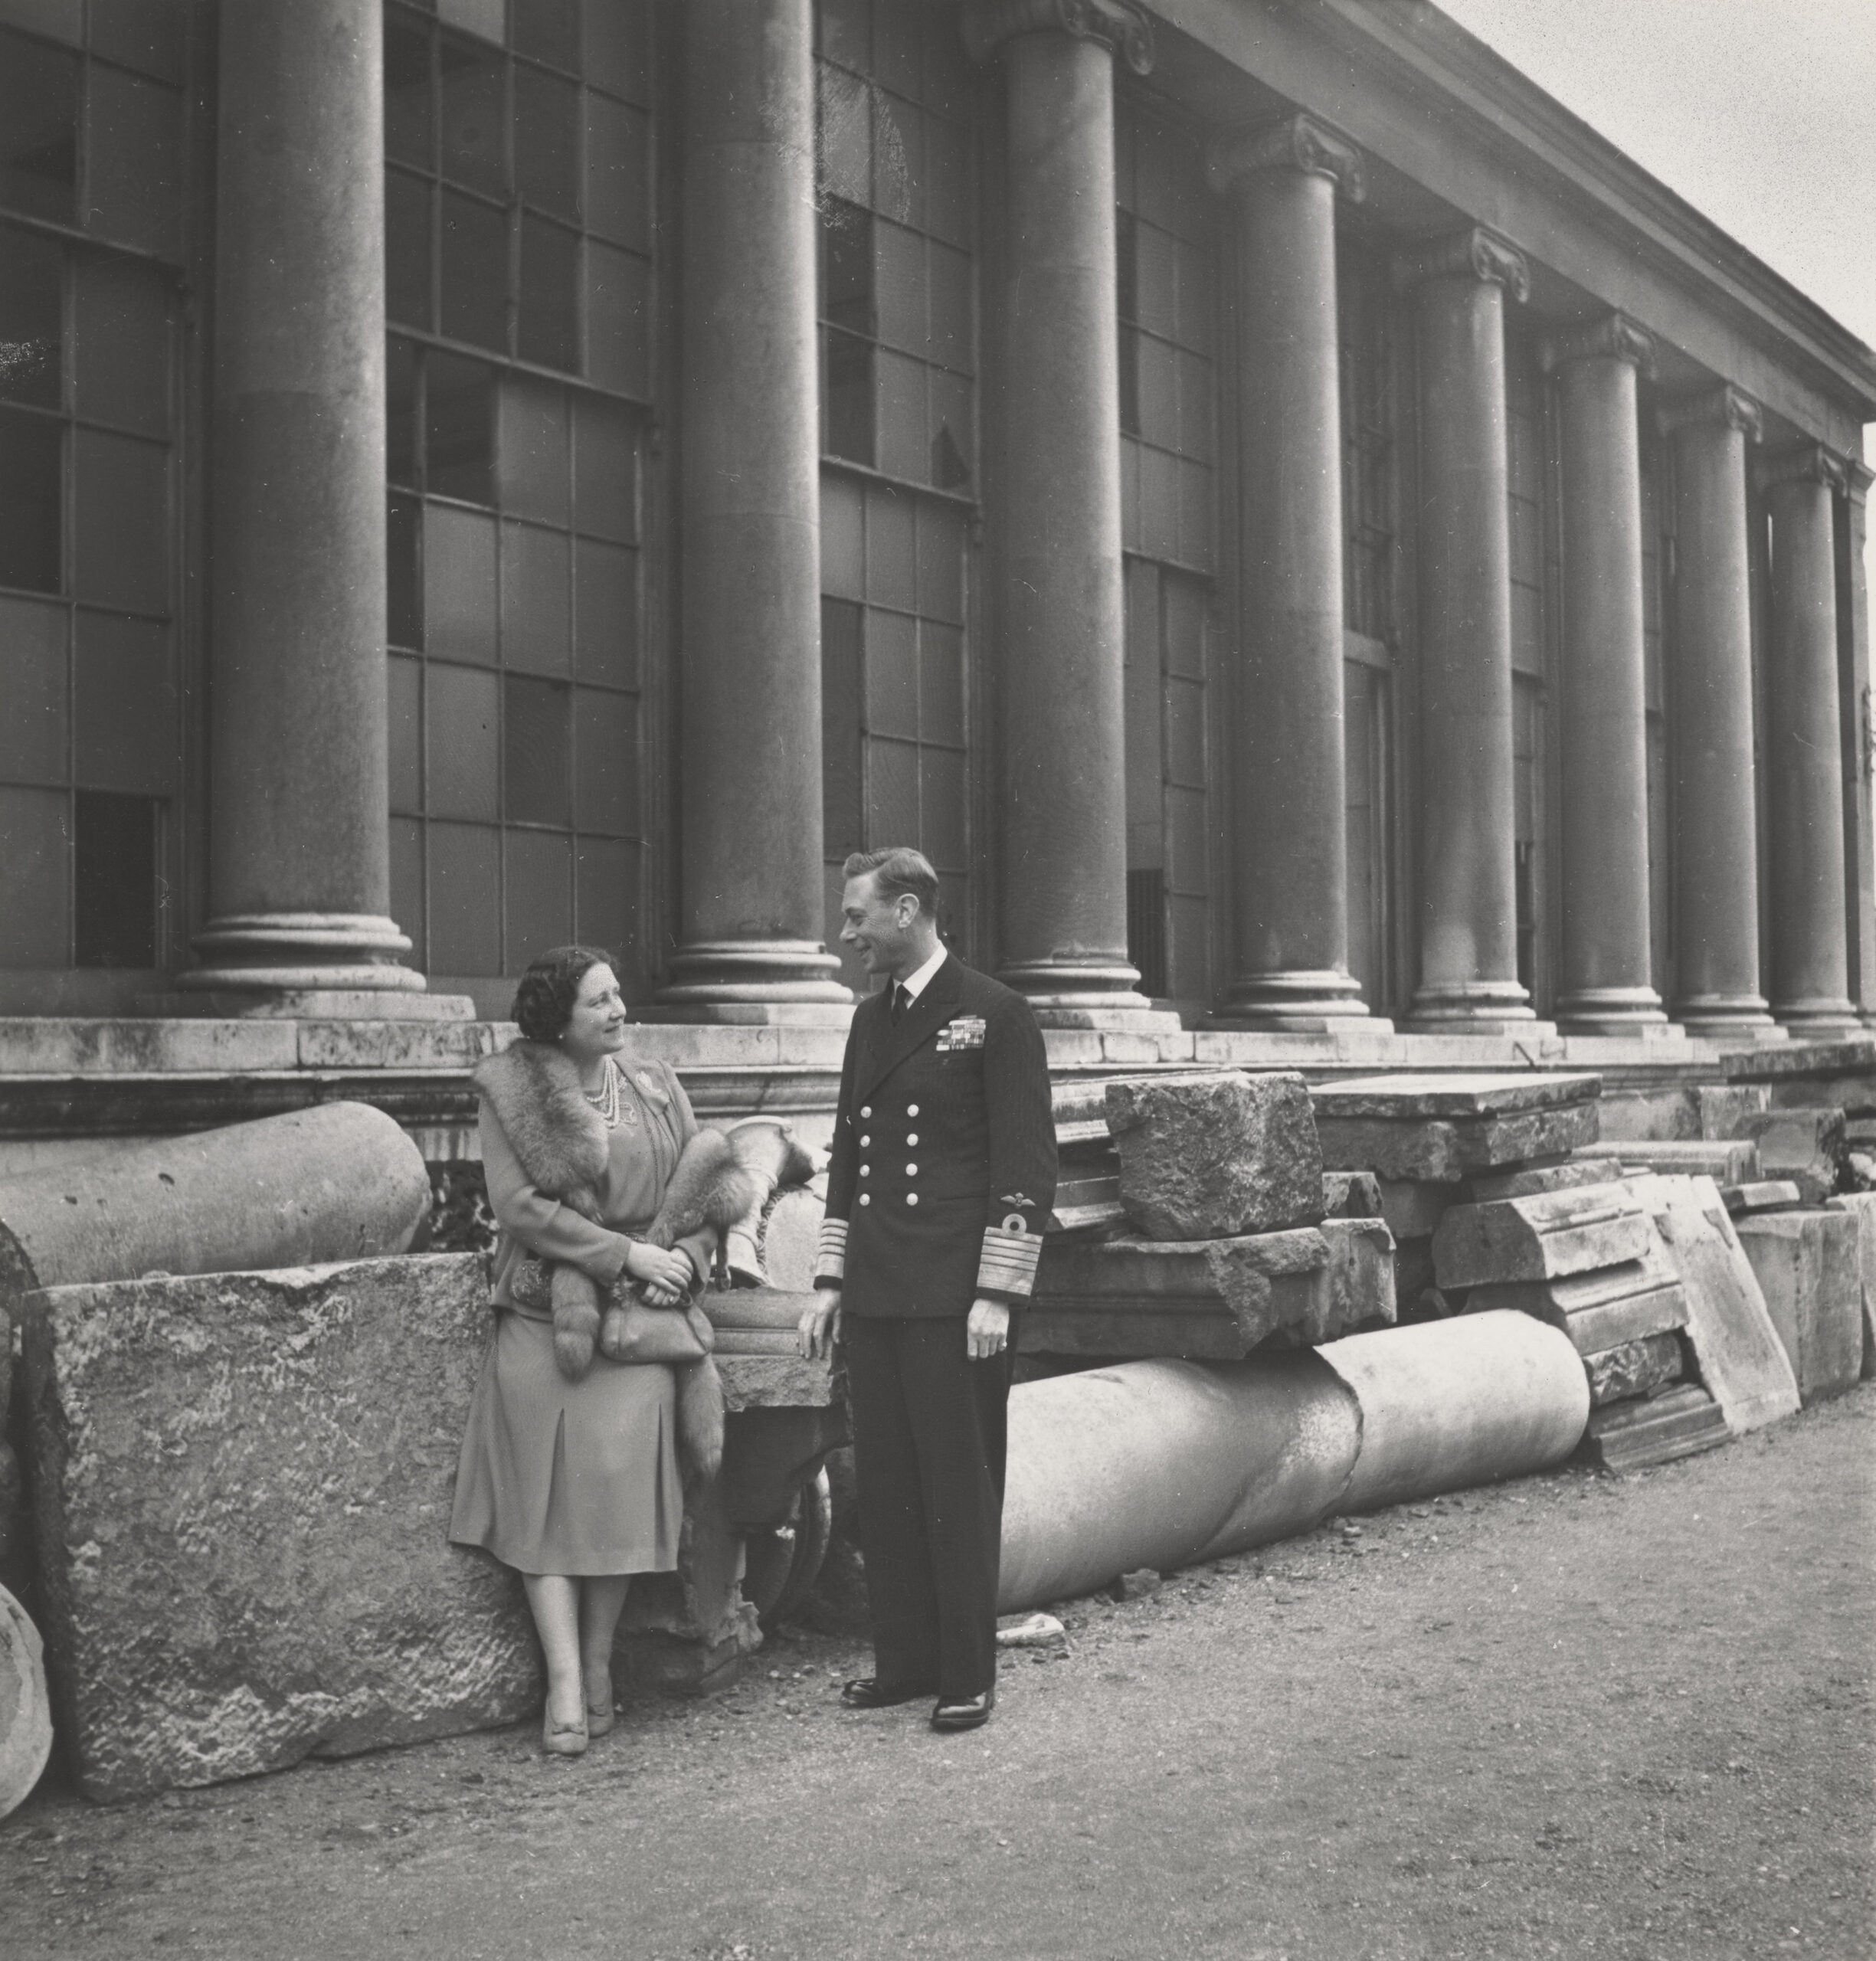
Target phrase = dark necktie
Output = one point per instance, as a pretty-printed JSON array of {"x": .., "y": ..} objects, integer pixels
[{"x": 902, "y": 1001}]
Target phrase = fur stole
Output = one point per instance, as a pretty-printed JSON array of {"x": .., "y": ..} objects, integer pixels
[{"x": 558, "y": 1138}]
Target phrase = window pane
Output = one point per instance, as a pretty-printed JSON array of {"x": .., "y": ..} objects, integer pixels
[
  {"x": 465, "y": 899},
  {"x": 953, "y": 450},
  {"x": 900, "y": 291},
  {"x": 1159, "y": 503},
  {"x": 126, "y": 704},
  {"x": 134, "y": 170},
  {"x": 618, "y": 194},
  {"x": 940, "y": 564},
  {"x": 402, "y": 448},
  {"x": 948, "y": 180},
  {"x": 942, "y": 808},
  {"x": 891, "y": 674},
  {"x": 617, "y": 48},
  {"x": 842, "y": 550},
  {"x": 536, "y": 622},
  {"x": 532, "y": 466},
  {"x": 845, "y": 29},
  {"x": 1185, "y": 733},
  {"x": 32, "y": 685},
  {"x": 1185, "y": 628},
  {"x": 409, "y": 124},
  {"x": 121, "y": 521},
  {"x": 460, "y": 745},
  {"x": 474, "y": 116},
  {"x": 540, "y": 895},
  {"x": 890, "y": 546},
  {"x": 849, "y": 397},
  {"x": 480, "y": 17},
  {"x": 550, "y": 289},
  {"x": 605, "y": 613},
  {"x": 606, "y": 741},
  {"x": 846, "y": 267},
  {"x": 846, "y": 127},
  {"x": 32, "y": 878},
  {"x": 548, "y": 30},
  {"x": 475, "y": 272},
  {"x": 605, "y": 880},
  {"x": 460, "y": 411},
  {"x": 1158, "y": 392},
  {"x": 144, "y": 34},
  {"x": 122, "y": 346},
  {"x": 459, "y": 584},
  {"x": 114, "y": 866},
  {"x": 407, "y": 250},
  {"x": 605, "y": 456},
  {"x": 31, "y": 319},
  {"x": 536, "y": 752},
  {"x": 899, "y": 392},
  {"x": 38, "y": 130},
  {"x": 841, "y": 815},
  {"x": 950, "y": 309},
  {"x": 618, "y": 309},
  {"x": 547, "y": 143},
  {"x": 404, "y": 593},
  {"x": 405, "y": 690},
  {"x": 941, "y": 683},
  {"x": 891, "y": 793},
  {"x": 407, "y": 885}
]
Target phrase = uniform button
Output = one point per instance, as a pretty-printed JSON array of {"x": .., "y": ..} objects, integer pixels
[
  {"x": 865, "y": 1198},
  {"x": 865, "y": 1109},
  {"x": 911, "y": 1110},
  {"x": 911, "y": 1137},
  {"x": 864, "y": 1142},
  {"x": 911, "y": 1198},
  {"x": 912, "y": 1170},
  {"x": 865, "y": 1170}
]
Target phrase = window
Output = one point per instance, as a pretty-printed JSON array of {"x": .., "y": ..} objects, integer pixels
[
  {"x": 90, "y": 229},
  {"x": 1527, "y": 468},
  {"x": 898, "y": 359},
  {"x": 1657, "y": 544},
  {"x": 517, "y": 188}
]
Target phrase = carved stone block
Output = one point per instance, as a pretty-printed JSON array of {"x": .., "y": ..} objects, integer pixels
[
  {"x": 1804, "y": 1145},
  {"x": 1546, "y": 1236},
  {"x": 1808, "y": 1270},
  {"x": 1633, "y": 1369},
  {"x": 1629, "y": 1436}
]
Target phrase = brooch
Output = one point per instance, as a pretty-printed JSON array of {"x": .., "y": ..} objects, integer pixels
[{"x": 967, "y": 1031}]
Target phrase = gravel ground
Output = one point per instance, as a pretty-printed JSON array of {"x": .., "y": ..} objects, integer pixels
[{"x": 1577, "y": 1714}]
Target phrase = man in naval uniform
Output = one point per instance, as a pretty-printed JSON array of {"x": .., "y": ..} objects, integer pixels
[{"x": 941, "y": 1179}]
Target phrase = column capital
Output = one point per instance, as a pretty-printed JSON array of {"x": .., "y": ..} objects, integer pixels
[
  {"x": 1804, "y": 463},
  {"x": 1475, "y": 252},
  {"x": 1615, "y": 337},
  {"x": 1859, "y": 476},
  {"x": 1117, "y": 24},
  {"x": 1725, "y": 404},
  {"x": 1298, "y": 142}
]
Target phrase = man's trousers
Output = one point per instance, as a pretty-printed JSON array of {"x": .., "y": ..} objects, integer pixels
[{"x": 930, "y": 1431}]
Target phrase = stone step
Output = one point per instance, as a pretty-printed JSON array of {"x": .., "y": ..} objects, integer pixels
[
  {"x": 1546, "y": 1236},
  {"x": 1627, "y": 1436}
]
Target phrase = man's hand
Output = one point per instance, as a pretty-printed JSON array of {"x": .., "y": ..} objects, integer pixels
[
  {"x": 818, "y": 1327},
  {"x": 987, "y": 1332}
]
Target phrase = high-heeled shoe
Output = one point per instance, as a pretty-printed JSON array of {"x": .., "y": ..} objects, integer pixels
[
  {"x": 601, "y": 1715},
  {"x": 562, "y": 1739}
]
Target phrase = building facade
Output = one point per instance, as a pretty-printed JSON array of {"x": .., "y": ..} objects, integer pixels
[{"x": 1306, "y": 536}]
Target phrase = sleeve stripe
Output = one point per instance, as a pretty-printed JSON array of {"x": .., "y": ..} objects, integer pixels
[
  {"x": 1008, "y": 1264},
  {"x": 830, "y": 1251}
]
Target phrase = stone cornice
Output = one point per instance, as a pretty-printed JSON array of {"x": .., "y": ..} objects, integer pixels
[
  {"x": 1298, "y": 142},
  {"x": 1119, "y": 24},
  {"x": 1804, "y": 463},
  {"x": 1615, "y": 337},
  {"x": 1730, "y": 406},
  {"x": 1475, "y": 253}
]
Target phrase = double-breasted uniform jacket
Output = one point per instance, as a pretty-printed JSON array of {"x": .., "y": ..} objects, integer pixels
[{"x": 943, "y": 1171}]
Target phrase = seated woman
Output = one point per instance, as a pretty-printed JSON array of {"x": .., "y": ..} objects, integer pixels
[{"x": 573, "y": 1479}]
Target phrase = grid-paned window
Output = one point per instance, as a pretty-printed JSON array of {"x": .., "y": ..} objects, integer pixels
[
  {"x": 1525, "y": 453},
  {"x": 899, "y": 443},
  {"x": 1166, "y": 255},
  {"x": 1655, "y": 545},
  {"x": 92, "y": 128},
  {"x": 517, "y": 191}
]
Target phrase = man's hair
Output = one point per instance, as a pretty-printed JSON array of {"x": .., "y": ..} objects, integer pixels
[
  {"x": 899, "y": 869},
  {"x": 543, "y": 1001}
]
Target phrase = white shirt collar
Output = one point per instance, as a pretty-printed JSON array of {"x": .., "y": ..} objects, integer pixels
[{"x": 917, "y": 983}]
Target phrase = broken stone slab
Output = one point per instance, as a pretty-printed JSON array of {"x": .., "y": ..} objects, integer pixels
[
  {"x": 1765, "y": 1195},
  {"x": 1265, "y": 1281},
  {"x": 1726, "y": 1160},
  {"x": 1804, "y": 1145},
  {"x": 1658, "y": 1430},
  {"x": 1546, "y": 1236},
  {"x": 1737, "y": 1349},
  {"x": 1448, "y": 1127},
  {"x": 1861, "y": 1206},
  {"x": 1786, "y": 1062},
  {"x": 1808, "y": 1270},
  {"x": 1634, "y": 1369},
  {"x": 1598, "y": 1310},
  {"x": 1566, "y": 1174},
  {"x": 1217, "y": 1154},
  {"x": 242, "y": 1485},
  {"x": 1721, "y": 1107},
  {"x": 1361, "y": 1279},
  {"x": 340, "y": 1181},
  {"x": 25, "y": 1705},
  {"x": 1352, "y": 1195}
]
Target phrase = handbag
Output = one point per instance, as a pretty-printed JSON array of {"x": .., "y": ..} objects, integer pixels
[{"x": 633, "y": 1331}]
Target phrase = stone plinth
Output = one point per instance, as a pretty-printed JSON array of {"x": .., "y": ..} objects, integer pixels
[
  {"x": 1549, "y": 1236},
  {"x": 1809, "y": 1269}
]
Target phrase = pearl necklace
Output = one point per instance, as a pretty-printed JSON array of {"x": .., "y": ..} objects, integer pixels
[{"x": 606, "y": 1101}]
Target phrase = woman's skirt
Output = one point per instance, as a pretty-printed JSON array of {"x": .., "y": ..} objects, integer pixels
[{"x": 576, "y": 1478}]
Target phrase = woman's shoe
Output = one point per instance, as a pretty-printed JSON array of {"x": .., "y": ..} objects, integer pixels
[
  {"x": 563, "y": 1739},
  {"x": 600, "y": 1715}
]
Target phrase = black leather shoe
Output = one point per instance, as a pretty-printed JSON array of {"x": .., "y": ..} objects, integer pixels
[
  {"x": 868, "y": 1693},
  {"x": 969, "y": 1712}
]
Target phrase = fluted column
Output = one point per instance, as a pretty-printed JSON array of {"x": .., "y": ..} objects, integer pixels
[
  {"x": 1716, "y": 849},
  {"x": 1290, "y": 855},
  {"x": 299, "y": 858},
  {"x": 1063, "y": 820},
  {"x": 753, "y": 899},
  {"x": 1804, "y": 756},
  {"x": 1605, "y": 966},
  {"x": 1469, "y": 897}
]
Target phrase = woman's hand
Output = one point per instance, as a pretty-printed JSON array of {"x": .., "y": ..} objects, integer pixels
[{"x": 664, "y": 1275}]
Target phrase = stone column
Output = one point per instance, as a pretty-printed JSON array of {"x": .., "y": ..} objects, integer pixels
[
  {"x": 1606, "y": 969},
  {"x": 753, "y": 899},
  {"x": 1716, "y": 843},
  {"x": 1804, "y": 756},
  {"x": 1289, "y": 833},
  {"x": 299, "y": 862},
  {"x": 1469, "y": 897},
  {"x": 1060, "y": 715},
  {"x": 1859, "y": 736}
]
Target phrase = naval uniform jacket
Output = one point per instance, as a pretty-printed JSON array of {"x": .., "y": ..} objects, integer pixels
[{"x": 943, "y": 1171}]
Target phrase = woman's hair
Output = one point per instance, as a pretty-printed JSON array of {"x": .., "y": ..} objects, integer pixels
[{"x": 543, "y": 1001}]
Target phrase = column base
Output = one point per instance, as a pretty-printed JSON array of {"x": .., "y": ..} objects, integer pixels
[
  {"x": 1631, "y": 1011},
  {"x": 274, "y": 963},
  {"x": 1729, "y": 1018},
  {"x": 1064, "y": 994},
  {"x": 1318, "y": 1001},
  {"x": 1818, "y": 1014},
  {"x": 712, "y": 974},
  {"x": 1471, "y": 1007}
]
